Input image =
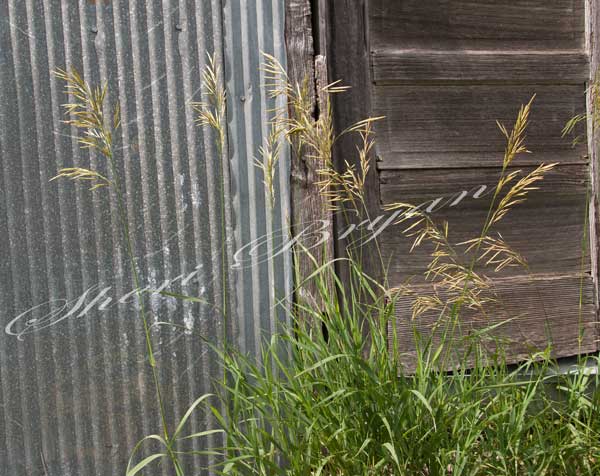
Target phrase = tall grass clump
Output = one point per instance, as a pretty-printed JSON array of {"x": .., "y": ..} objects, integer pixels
[
  {"x": 342, "y": 404},
  {"x": 452, "y": 266},
  {"x": 337, "y": 398}
]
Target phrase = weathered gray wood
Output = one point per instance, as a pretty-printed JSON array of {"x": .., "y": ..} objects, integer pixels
[
  {"x": 443, "y": 72},
  {"x": 321, "y": 33},
  {"x": 547, "y": 230},
  {"x": 481, "y": 24},
  {"x": 348, "y": 59},
  {"x": 461, "y": 119},
  {"x": 421, "y": 185},
  {"x": 308, "y": 204},
  {"x": 458, "y": 159},
  {"x": 545, "y": 309},
  {"x": 490, "y": 66},
  {"x": 593, "y": 49}
]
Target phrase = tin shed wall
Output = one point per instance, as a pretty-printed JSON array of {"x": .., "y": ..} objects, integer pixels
[{"x": 75, "y": 387}]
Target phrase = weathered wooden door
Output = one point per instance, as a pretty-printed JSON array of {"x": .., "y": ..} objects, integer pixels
[{"x": 442, "y": 72}]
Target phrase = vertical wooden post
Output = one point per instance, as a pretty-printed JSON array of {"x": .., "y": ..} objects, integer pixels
[
  {"x": 311, "y": 219},
  {"x": 349, "y": 60},
  {"x": 593, "y": 50}
]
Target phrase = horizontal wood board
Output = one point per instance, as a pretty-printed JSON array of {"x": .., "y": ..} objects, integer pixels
[
  {"x": 430, "y": 66},
  {"x": 532, "y": 312},
  {"x": 431, "y": 126},
  {"x": 547, "y": 230},
  {"x": 477, "y": 24}
]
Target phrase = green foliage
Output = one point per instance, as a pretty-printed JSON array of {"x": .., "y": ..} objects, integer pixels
[
  {"x": 329, "y": 395},
  {"x": 340, "y": 403}
]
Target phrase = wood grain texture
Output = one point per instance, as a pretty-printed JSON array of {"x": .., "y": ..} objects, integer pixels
[
  {"x": 534, "y": 311},
  {"x": 348, "y": 60},
  {"x": 481, "y": 66},
  {"x": 492, "y": 158},
  {"x": 443, "y": 72},
  {"x": 547, "y": 230},
  {"x": 455, "y": 24},
  {"x": 461, "y": 119},
  {"x": 308, "y": 205},
  {"x": 593, "y": 43}
]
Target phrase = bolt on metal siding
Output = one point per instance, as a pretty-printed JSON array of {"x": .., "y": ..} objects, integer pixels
[{"x": 75, "y": 388}]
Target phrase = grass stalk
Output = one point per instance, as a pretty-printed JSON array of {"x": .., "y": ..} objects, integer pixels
[{"x": 87, "y": 114}]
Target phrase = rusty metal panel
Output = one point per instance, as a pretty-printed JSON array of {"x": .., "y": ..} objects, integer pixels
[{"x": 75, "y": 387}]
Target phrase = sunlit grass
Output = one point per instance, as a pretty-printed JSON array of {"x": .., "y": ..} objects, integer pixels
[
  {"x": 334, "y": 398},
  {"x": 339, "y": 401}
]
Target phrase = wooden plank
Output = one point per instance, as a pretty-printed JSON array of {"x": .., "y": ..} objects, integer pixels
[
  {"x": 477, "y": 24},
  {"x": 421, "y": 185},
  {"x": 429, "y": 160},
  {"x": 547, "y": 230},
  {"x": 348, "y": 60},
  {"x": 593, "y": 134},
  {"x": 443, "y": 72},
  {"x": 461, "y": 119},
  {"x": 545, "y": 310},
  {"x": 321, "y": 31},
  {"x": 308, "y": 204},
  {"x": 489, "y": 66}
]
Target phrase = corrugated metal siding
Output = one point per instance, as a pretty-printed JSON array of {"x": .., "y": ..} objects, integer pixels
[
  {"x": 75, "y": 396},
  {"x": 252, "y": 28}
]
